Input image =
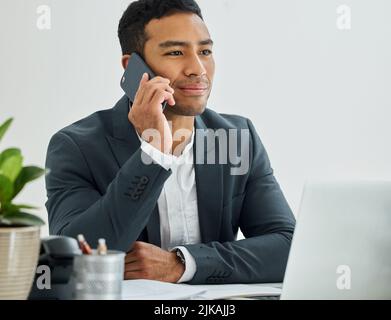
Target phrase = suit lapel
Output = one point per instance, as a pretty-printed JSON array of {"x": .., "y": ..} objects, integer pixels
[
  {"x": 209, "y": 184},
  {"x": 124, "y": 141}
]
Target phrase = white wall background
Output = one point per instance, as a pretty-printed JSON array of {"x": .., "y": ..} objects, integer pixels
[{"x": 320, "y": 97}]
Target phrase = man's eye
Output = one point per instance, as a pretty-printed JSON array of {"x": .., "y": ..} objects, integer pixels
[
  {"x": 174, "y": 53},
  {"x": 206, "y": 52}
]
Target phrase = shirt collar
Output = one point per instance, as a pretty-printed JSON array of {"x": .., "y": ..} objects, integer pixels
[{"x": 188, "y": 147}]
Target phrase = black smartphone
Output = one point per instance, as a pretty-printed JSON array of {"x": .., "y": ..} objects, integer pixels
[{"x": 130, "y": 81}]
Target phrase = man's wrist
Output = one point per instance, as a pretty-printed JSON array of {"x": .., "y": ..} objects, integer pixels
[
  {"x": 179, "y": 268},
  {"x": 190, "y": 264},
  {"x": 180, "y": 255}
]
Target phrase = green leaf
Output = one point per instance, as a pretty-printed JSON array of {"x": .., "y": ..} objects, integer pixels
[
  {"x": 11, "y": 163},
  {"x": 6, "y": 189},
  {"x": 23, "y": 206},
  {"x": 4, "y": 127},
  {"x": 23, "y": 219},
  {"x": 8, "y": 207},
  {"x": 11, "y": 208},
  {"x": 4, "y": 221},
  {"x": 26, "y": 175},
  {"x": 7, "y": 153}
]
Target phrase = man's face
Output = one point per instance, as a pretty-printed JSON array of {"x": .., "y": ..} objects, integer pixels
[{"x": 179, "y": 48}]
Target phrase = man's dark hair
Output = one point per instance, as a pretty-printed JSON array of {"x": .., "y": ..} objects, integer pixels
[{"x": 131, "y": 29}]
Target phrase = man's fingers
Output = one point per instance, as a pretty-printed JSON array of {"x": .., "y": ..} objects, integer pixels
[
  {"x": 147, "y": 88},
  {"x": 143, "y": 80},
  {"x": 130, "y": 260},
  {"x": 160, "y": 79},
  {"x": 128, "y": 275},
  {"x": 161, "y": 96},
  {"x": 151, "y": 89},
  {"x": 130, "y": 257},
  {"x": 133, "y": 266},
  {"x": 133, "y": 275},
  {"x": 141, "y": 88}
]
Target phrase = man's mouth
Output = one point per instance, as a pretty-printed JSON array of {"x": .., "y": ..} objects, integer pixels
[{"x": 194, "y": 90}]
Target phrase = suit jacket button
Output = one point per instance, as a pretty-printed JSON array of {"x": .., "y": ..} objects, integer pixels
[{"x": 144, "y": 180}]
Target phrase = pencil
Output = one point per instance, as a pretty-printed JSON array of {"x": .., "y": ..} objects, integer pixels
[{"x": 84, "y": 246}]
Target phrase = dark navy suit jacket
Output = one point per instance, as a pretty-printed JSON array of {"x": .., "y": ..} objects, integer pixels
[{"x": 99, "y": 186}]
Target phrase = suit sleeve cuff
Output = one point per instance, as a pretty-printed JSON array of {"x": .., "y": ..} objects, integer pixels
[
  {"x": 190, "y": 265},
  {"x": 157, "y": 156}
]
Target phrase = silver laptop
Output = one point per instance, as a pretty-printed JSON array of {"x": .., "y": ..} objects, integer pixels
[{"x": 341, "y": 247}]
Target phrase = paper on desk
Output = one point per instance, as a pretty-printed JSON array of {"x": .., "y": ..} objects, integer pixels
[
  {"x": 157, "y": 290},
  {"x": 223, "y": 291}
]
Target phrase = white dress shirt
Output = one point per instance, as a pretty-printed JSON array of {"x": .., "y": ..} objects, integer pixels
[{"x": 177, "y": 203}]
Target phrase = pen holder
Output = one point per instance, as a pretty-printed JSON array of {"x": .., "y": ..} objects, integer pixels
[{"x": 98, "y": 277}]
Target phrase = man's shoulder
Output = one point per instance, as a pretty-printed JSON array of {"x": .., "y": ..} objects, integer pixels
[
  {"x": 93, "y": 126},
  {"x": 216, "y": 120}
]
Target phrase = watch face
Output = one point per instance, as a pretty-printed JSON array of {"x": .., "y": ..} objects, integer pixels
[{"x": 180, "y": 255}]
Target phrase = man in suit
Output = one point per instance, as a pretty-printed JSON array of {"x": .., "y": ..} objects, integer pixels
[{"x": 157, "y": 196}]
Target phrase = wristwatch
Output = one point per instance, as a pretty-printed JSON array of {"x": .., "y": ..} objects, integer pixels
[{"x": 179, "y": 254}]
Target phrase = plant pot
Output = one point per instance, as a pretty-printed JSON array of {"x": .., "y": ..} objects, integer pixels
[{"x": 19, "y": 250}]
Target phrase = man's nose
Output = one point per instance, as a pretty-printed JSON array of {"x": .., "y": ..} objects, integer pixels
[{"x": 194, "y": 66}]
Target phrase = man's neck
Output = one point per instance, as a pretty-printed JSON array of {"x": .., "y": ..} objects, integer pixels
[{"x": 182, "y": 129}]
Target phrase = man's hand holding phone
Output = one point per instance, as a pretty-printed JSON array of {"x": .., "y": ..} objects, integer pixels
[{"x": 146, "y": 112}]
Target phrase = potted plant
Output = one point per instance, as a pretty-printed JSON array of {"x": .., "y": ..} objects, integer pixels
[{"x": 19, "y": 229}]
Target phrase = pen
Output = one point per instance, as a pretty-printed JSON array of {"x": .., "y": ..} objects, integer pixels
[
  {"x": 84, "y": 246},
  {"x": 102, "y": 247}
]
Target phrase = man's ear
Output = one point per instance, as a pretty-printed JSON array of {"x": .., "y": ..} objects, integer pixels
[{"x": 125, "y": 60}]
